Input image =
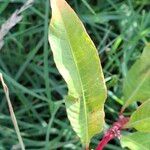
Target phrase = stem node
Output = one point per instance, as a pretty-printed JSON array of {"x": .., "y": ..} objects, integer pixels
[{"x": 113, "y": 132}]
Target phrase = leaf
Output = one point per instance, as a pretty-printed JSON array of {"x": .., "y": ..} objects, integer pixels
[
  {"x": 140, "y": 119},
  {"x": 77, "y": 60},
  {"x": 136, "y": 141},
  {"x": 137, "y": 83}
]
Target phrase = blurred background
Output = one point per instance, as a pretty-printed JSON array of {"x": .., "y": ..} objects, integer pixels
[{"x": 119, "y": 29}]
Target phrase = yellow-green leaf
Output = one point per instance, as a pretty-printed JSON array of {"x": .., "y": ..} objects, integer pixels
[
  {"x": 136, "y": 141},
  {"x": 140, "y": 119},
  {"x": 77, "y": 61},
  {"x": 137, "y": 83}
]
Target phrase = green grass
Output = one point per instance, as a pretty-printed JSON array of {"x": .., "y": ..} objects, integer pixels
[{"x": 119, "y": 29}]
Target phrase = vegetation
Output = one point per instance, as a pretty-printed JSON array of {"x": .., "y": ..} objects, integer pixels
[{"x": 120, "y": 30}]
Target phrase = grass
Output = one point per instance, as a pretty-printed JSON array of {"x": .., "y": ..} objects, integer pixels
[{"x": 119, "y": 29}]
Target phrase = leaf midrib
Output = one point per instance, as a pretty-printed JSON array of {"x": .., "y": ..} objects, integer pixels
[
  {"x": 138, "y": 121},
  {"x": 80, "y": 80},
  {"x": 137, "y": 88}
]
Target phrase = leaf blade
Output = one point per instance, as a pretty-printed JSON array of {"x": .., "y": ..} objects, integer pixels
[
  {"x": 77, "y": 60},
  {"x": 140, "y": 119},
  {"x": 136, "y": 141},
  {"x": 137, "y": 83}
]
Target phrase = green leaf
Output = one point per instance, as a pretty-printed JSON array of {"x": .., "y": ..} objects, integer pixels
[
  {"x": 137, "y": 83},
  {"x": 136, "y": 141},
  {"x": 77, "y": 60},
  {"x": 140, "y": 119}
]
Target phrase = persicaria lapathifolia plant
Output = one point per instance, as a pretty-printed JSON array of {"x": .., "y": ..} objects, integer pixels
[{"x": 78, "y": 62}]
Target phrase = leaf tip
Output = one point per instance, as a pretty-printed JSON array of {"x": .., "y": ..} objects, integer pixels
[{"x": 58, "y": 3}]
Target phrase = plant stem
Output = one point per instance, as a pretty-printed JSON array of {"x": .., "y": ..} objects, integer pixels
[
  {"x": 113, "y": 132},
  {"x": 87, "y": 147}
]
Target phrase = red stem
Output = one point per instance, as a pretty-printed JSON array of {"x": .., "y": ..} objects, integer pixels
[{"x": 113, "y": 132}]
